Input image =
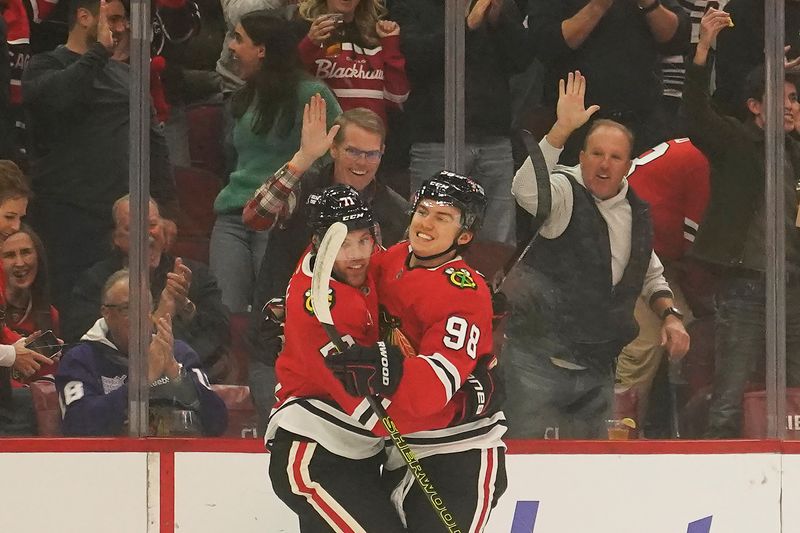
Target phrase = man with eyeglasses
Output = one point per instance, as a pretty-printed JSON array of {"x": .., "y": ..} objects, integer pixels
[
  {"x": 355, "y": 143},
  {"x": 185, "y": 289},
  {"x": 92, "y": 379}
]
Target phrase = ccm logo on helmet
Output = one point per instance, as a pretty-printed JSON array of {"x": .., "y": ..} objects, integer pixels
[{"x": 384, "y": 364}]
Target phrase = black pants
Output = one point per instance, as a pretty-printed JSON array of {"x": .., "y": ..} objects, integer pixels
[
  {"x": 329, "y": 492},
  {"x": 470, "y": 484}
]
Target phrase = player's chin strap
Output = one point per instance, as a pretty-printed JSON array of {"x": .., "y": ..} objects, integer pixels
[{"x": 452, "y": 247}]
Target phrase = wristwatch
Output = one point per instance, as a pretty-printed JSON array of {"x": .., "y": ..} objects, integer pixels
[
  {"x": 671, "y": 310},
  {"x": 650, "y": 8}
]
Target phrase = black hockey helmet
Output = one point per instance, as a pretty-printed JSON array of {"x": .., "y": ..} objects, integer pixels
[
  {"x": 466, "y": 194},
  {"x": 338, "y": 203}
]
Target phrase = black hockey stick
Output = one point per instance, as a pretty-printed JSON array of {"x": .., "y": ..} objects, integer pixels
[
  {"x": 542, "y": 177},
  {"x": 320, "y": 283}
]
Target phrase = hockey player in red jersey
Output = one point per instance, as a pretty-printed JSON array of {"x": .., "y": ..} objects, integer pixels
[
  {"x": 440, "y": 312},
  {"x": 325, "y": 463}
]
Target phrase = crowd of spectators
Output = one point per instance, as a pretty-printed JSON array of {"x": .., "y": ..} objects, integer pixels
[{"x": 310, "y": 93}]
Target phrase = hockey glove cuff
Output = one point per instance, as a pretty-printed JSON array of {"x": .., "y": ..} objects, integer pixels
[
  {"x": 368, "y": 370},
  {"x": 482, "y": 394}
]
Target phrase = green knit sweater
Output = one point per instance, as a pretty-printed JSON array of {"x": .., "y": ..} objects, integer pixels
[{"x": 259, "y": 156}]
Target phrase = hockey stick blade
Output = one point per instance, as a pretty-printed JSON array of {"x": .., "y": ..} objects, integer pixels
[{"x": 320, "y": 284}]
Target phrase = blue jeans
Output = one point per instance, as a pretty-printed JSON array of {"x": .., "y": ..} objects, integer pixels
[
  {"x": 235, "y": 257},
  {"x": 489, "y": 163},
  {"x": 548, "y": 401},
  {"x": 741, "y": 346}
]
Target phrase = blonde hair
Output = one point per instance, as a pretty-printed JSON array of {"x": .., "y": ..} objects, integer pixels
[{"x": 367, "y": 14}]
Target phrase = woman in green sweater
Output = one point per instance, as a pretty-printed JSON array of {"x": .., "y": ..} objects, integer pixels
[{"x": 268, "y": 116}]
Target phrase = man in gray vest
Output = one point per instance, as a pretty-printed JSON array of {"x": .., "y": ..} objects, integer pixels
[{"x": 575, "y": 290}]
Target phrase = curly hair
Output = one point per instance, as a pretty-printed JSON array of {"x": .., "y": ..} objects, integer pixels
[{"x": 367, "y": 14}]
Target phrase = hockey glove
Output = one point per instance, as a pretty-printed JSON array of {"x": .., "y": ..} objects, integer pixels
[
  {"x": 368, "y": 370},
  {"x": 482, "y": 394}
]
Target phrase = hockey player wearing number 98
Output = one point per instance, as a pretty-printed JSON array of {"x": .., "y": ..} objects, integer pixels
[
  {"x": 325, "y": 461},
  {"x": 439, "y": 323}
]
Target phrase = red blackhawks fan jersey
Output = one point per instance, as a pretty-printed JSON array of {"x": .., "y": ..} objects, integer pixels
[
  {"x": 360, "y": 76},
  {"x": 673, "y": 178},
  {"x": 445, "y": 315}
]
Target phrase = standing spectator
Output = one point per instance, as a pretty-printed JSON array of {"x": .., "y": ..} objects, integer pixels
[
  {"x": 673, "y": 73},
  {"x": 268, "y": 112},
  {"x": 740, "y": 49},
  {"x": 358, "y": 55},
  {"x": 78, "y": 101},
  {"x": 233, "y": 11},
  {"x": 732, "y": 236},
  {"x": 185, "y": 289},
  {"x": 355, "y": 143},
  {"x": 616, "y": 45},
  {"x": 495, "y": 50},
  {"x": 6, "y": 117},
  {"x": 19, "y": 45},
  {"x": 591, "y": 262},
  {"x": 673, "y": 178}
]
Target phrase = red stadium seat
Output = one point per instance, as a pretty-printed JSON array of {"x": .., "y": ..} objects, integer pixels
[
  {"x": 241, "y": 411},
  {"x": 206, "y": 126},
  {"x": 45, "y": 405},
  {"x": 240, "y": 349},
  {"x": 197, "y": 189}
]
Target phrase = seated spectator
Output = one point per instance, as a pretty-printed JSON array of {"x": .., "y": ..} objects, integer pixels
[
  {"x": 7, "y": 148},
  {"x": 92, "y": 379},
  {"x": 16, "y": 408},
  {"x": 185, "y": 289},
  {"x": 78, "y": 100},
  {"x": 27, "y": 293},
  {"x": 268, "y": 111},
  {"x": 355, "y": 143},
  {"x": 357, "y": 54}
]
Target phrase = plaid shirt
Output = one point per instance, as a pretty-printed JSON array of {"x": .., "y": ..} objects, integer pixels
[{"x": 272, "y": 202}]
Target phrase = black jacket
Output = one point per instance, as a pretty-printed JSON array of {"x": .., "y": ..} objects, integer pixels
[
  {"x": 493, "y": 55},
  {"x": 208, "y": 333}
]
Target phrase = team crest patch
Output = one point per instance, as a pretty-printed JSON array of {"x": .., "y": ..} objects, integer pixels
[
  {"x": 461, "y": 278},
  {"x": 310, "y": 308}
]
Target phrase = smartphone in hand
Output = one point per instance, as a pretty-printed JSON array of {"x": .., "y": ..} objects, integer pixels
[{"x": 46, "y": 344}]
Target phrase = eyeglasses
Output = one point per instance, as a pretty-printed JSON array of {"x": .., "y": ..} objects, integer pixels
[
  {"x": 370, "y": 155},
  {"x": 123, "y": 308}
]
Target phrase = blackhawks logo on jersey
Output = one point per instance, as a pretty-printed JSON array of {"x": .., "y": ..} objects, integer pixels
[
  {"x": 310, "y": 308},
  {"x": 461, "y": 278}
]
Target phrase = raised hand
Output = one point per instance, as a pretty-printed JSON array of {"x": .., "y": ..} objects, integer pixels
[
  {"x": 104, "y": 35},
  {"x": 713, "y": 22},
  {"x": 315, "y": 139},
  {"x": 571, "y": 110},
  {"x": 387, "y": 28},
  {"x": 321, "y": 29}
]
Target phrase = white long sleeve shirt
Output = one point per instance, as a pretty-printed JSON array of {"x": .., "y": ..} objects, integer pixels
[{"x": 616, "y": 211}]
